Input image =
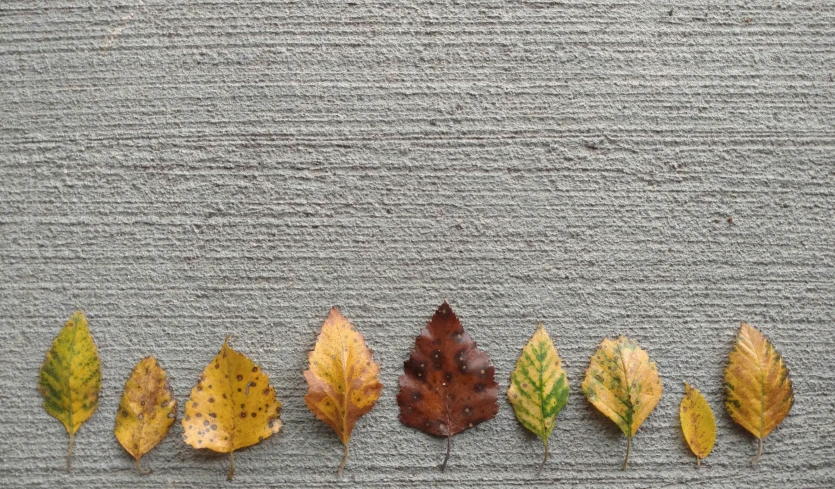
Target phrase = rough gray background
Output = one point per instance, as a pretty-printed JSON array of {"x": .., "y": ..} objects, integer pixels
[{"x": 183, "y": 169}]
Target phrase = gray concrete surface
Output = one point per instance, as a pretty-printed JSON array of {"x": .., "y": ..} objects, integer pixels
[{"x": 182, "y": 170}]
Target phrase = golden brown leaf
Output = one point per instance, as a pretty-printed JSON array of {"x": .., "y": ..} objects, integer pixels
[
  {"x": 232, "y": 406},
  {"x": 697, "y": 423},
  {"x": 622, "y": 382},
  {"x": 758, "y": 389},
  {"x": 146, "y": 411},
  {"x": 343, "y": 378},
  {"x": 70, "y": 378}
]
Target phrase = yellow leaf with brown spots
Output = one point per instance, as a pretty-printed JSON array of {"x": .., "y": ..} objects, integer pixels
[
  {"x": 70, "y": 378},
  {"x": 622, "y": 383},
  {"x": 232, "y": 406},
  {"x": 758, "y": 389},
  {"x": 146, "y": 411},
  {"x": 343, "y": 378},
  {"x": 697, "y": 423}
]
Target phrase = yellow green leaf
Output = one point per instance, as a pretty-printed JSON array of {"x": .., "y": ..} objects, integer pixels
[
  {"x": 232, "y": 406},
  {"x": 146, "y": 411},
  {"x": 343, "y": 379},
  {"x": 758, "y": 390},
  {"x": 538, "y": 387},
  {"x": 70, "y": 378},
  {"x": 622, "y": 383},
  {"x": 697, "y": 423}
]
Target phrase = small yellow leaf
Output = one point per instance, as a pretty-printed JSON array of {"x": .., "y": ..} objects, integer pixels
[
  {"x": 758, "y": 390},
  {"x": 146, "y": 411},
  {"x": 70, "y": 378},
  {"x": 622, "y": 383},
  {"x": 343, "y": 378},
  {"x": 232, "y": 406},
  {"x": 538, "y": 387},
  {"x": 697, "y": 423}
]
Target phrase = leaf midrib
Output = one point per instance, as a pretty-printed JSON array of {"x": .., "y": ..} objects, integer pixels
[
  {"x": 345, "y": 396},
  {"x": 70, "y": 356},
  {"x": 630, "y": 409}
]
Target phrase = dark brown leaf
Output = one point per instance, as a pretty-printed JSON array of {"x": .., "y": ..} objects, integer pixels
[{"x": 448, "y": 384}]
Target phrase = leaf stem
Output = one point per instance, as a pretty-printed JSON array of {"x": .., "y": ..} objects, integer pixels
[
  {"x": 544, "y": 458},
  {"x": 231, "y": 465},
  {"x": 448, "y": 445},
  {"x": 344, "y": 458},
  {"x": 698, "y": 462},
  {"x": 69, "y": 452},
  {"x": 626, "y": 458},
  {"x": 140, "y": 469},
  {"x": 759, "y": 453}
]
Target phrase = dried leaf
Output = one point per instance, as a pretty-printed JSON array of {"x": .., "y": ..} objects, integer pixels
[
  {"x": 697, "y": 423},
  {"x": 343, "y": 378},
  {"x": 538, "y": 387},
  {"x": 146, "y": 411},
  {"x": 758, "y": 390},
  {"x": 448, "y": 385},
  {"x": 70, "y": 378},
  {"x": 232, "y": 406},
  {"x": 622, "y": 383}
]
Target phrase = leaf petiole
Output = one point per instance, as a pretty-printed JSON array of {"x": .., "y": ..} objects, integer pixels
[
  {"x": 69, "y": 453},
  {"x": 140, "y": 469},
  {"x": 759, "y": 453},
  {"x": 544, "y": 458},
  {"x": 626, "y": 458},
  {"x": 344, "y": 459},
  {"x": 448, "y": 446}
]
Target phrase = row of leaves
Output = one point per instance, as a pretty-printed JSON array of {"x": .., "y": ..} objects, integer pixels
[{"x": 448, "y": 386}]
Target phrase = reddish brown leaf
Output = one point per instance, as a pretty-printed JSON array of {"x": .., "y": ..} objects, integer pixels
[{"x": 448, "y": 384}]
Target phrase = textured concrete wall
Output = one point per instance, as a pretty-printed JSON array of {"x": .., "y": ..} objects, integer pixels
[{"x": 186, "y": 169}]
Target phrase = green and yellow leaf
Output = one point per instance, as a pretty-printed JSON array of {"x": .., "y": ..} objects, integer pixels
[
  {"x": 697, "y": 423},
  {"x": 622, "y": 383},
  {"x": 232, "y": 406},
  {"x": 146, "y": 411},
  {"x": 343, "y": 378},
  {"x": 758, "y": 389},
  {"x": 538, "y": 387},
  {"x": 70, "y": 378}
]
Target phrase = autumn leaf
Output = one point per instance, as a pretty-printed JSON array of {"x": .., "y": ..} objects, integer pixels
[
  {"x": 538, "y": 387},
  {"x": 622, "y": 383},
  {"x": 758, "y": 391},
  {"x": 146, "y": 411},
  {"x": 342, "y": 377},
  {"x": 232, "y": 406},
  {"x": 697, "y": 423},
  {"x": 448, "y": 384},
  {"x": 70, "y": 378}
]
